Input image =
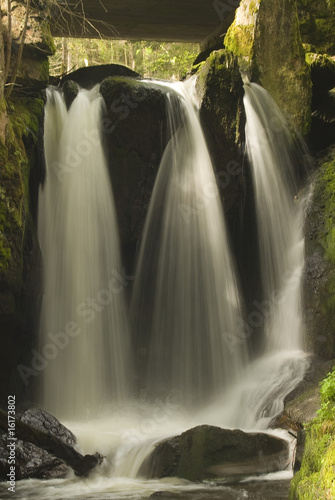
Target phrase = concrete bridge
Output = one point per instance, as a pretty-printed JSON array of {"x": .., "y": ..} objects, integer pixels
[{"x": 202, "y": 21}]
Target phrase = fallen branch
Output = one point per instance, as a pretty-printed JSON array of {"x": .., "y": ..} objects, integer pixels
[{"x": 81, "y": 465}]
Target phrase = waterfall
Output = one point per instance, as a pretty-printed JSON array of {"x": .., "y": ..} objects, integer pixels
[
  {"x": 269, "y": 145},
  {"x": 186, "y": 310},
  {"x": 187, "y": 317},
  {"x": 84, "y": 339}
]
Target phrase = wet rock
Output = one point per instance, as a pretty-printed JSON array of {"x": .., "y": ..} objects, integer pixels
[
  {"x": 31, "y": 461},
  {"x": 266, "y": 38},
  {"x": 206, "y": 452},
  {"x": 319, "y": 272},
  {"x": 70, "y": 89},
  {"x": 317, "y": 19},
  {"x": 220, "y": 89},
  {"x": 136, "y": 134}
]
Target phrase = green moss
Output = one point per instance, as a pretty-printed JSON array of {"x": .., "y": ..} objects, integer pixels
[
  {"x": 317, "y": 18},
  {"x": 316, "y": 478},
  {"x": 48, "y": 41},
  {"x": 24, "y": 116},
  {"x": 325, "y": 192},
  {"x": 240, "y": 41}
]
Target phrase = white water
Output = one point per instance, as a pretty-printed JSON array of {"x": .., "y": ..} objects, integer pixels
[
  {"x": 269, "y": 144},
  {"x": 186, "y": 306},
  {"x": 83, "y": 332},
  {"x": 192, "y": 263}
]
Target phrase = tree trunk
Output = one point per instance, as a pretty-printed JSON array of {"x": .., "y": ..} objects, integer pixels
[
  {"x": 81, "y": 465},
  {"x": 3, "y": 113}
]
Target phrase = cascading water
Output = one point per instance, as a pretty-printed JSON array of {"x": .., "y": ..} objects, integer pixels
[
  {"x": 259, "y": 396},
  {"x": 279, "y": 219},
  {"x": 186, "y": 308},
  {"x": 83, "y": 331}
]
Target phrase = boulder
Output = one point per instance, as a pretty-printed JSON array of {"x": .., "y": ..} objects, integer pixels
[
  {"x": 31, "y": 461},
  {"x": 93, "y": 75},
  {"x": 205, "y": 452},
  {"x": 136, "y": 134},
  {"x": 266, "y": 38},
  {"x": 70, "y": 89},
  {"x": 220, "y": 89}
]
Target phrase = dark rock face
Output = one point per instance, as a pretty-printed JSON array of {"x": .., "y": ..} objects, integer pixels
[
  {"x": 135, "y": 134},
  {"x": 323, "y": 100},
  {"x": 319, "y": 274},
  {"x": 31, "y": 461},
  {"x": 206, "y": 451},
  {"x": 222, "y": 114},
  {"x": 70, "y": 89}
]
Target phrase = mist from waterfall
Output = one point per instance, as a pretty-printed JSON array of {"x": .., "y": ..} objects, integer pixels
[
  {"x": 84, "y": 338},
  {"x": 186, "y": 311}
]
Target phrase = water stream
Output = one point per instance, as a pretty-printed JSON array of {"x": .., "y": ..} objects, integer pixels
[
  {"x": 186, "y": 309},
  {"x": 84, "y": 336},
  {"x": 186, "y": 304}
]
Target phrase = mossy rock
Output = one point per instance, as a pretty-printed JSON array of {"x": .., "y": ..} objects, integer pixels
[
  {"x": 315, "y": 478},
  {"x": 205, "y": 452},
  {"x": 220, "y": 89},
  {"x": 319, "y": 276},
  {"x": 70, "y": 89},
  {"x": 24, "y": 119},
  {"x": 266, "y": 39},
  {"x": 317, "y": 21}
]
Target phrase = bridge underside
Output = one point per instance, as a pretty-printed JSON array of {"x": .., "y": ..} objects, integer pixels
[{"x": 165, "y": 20}]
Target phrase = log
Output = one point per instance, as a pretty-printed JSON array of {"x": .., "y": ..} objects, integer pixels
[{"x": 80, "y": 464}]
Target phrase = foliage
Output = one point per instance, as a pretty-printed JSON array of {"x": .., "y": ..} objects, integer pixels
[
  {"x": 316, "y": 478},
  {"x": 150, "y": 59}
]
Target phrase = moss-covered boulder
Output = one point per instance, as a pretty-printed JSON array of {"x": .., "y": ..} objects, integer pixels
[
  {"x": 206, "y": 452},
  {"x": 319, "y": 276},
  {"x": 220, "y": 89},
  {"x": 266, "y": 38},
  {"x": 317, "y": 20}
]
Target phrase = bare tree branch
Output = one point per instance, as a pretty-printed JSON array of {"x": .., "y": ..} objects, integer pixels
[
  {"x": 9, "y": 39},
  {"x": 18, "y": 59}
]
